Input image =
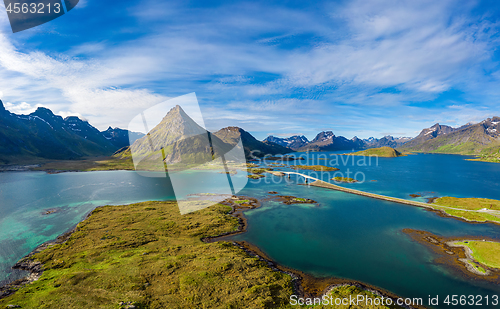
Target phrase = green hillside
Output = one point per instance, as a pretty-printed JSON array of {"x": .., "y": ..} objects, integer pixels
[
  {"x": 479, "y": 139},
  {"x": 386, "y": 152},
  {"x": 251, "y": 146}
]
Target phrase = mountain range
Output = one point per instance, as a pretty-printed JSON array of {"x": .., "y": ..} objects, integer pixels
[
  {"x": 327, "y": 141},
  {"x": 251, "y": 146},
  {"x": 43, "y": 135},
  {"x": 469, "y": 139},
  {"x": 295, "y": 142}
]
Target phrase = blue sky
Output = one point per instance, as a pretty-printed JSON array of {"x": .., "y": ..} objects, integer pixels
[{"x": 364, "y": 68}]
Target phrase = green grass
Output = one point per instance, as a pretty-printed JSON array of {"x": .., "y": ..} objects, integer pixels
[
  {"x": 341, "y": 292},
  {"x": 256, "y": 176},
  {"x": 150, "y": 255},
  {"x": 344, "y": 179},
  {"x": 317, "y": 168},
  {"x": 485, "y": 252},
  {"x": 259, "y": 170},
  {"x": 468, "y": 203},
  {"x": 90, "y": 164},
  {"x": 476, "y": 267},
  {"x": 386, "y": 152},
  {"x": 462, "y": 204}
]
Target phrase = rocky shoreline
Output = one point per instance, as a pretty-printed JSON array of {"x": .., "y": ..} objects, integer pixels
[
  {"x": 455, "y": 256},
  {"x": 34, "y": 268},
  {"x": 304, "y": 285}
]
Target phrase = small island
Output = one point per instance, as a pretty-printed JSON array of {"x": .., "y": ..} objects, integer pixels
[
  {"x": 288, "y": 199},
  {"x": 344, "y": 179},
  {"x": 472, "y": 255},
  {"x": 385, "y": 152},
  {"x": 316, "y": 168},
  {"x": 255, "y": 176},
  {"x": 256, "y": 173}
]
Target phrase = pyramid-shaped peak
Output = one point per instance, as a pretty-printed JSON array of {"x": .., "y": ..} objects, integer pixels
[{"x": 176, "y": 110}]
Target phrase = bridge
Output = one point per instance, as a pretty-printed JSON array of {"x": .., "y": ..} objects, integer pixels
[
  {"x": 322, "y": 184},
  {"x": 302, "y": 175}
]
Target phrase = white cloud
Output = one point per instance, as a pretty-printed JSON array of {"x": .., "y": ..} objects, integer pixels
[
  {"x": 21, "y": 108},
  {"x": 418, "y": 49},
  {"x": 412, "y": 45},
  {"x": 69, "y": 84}
]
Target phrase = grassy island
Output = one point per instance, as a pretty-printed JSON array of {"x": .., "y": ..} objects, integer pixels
[
  {"x": 386, "y": 152},
  {"x": 148, "y": 255},
  {"x": 344, "y": 179},
  {"x": 317, "y": 168},
  {"x": 288, "y": 199},
  {"x": 255, "y": 176}
]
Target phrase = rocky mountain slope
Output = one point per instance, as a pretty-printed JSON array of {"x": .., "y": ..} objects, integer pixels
[
  {"x": 386, "y": 141},
  {"x": 252, "y": 146},
  {"x": 121, "y": 138},
  {"x": 470, "y": 139},
  {"x": 293, "y": 142},
  {"x": 177, "y": 139},
  {"x": 43, "y": 135},
  {"x": 327, "y": 141}
]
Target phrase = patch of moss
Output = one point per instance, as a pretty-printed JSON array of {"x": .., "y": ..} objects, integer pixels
[
  {"x": 254, "y": 176},
  {"x": 259, "y": 170},
  {"x": 347, "y": 291},
  {"x": 386, "y": 152},
  {"x": 344, "y": 179},
  {"x": 317, "y": 168}
]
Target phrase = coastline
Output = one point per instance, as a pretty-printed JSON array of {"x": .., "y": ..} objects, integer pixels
[
  {"x": 456, "y": 256},
  {"x": 438, "y": 209},
  {"x": 304, "y": 285},
  {"x": 35, "y": 268}
]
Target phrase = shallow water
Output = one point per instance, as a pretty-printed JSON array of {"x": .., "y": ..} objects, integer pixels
[{"x": 346, "y": 236}]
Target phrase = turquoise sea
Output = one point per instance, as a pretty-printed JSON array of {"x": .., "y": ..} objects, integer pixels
[{"x": 345, "y": 235}]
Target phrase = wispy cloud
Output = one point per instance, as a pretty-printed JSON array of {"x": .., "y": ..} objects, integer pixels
[{"x": 360, "y": 67}]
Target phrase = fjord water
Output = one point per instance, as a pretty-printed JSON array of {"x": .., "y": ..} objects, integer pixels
[
  {"x": 36, "y": 207},
  {"x": 345, "y": 235}
]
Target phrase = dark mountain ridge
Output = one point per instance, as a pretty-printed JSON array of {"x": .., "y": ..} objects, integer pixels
[
  {"x": 469, "y": 139},
  {"x": 252, "y": 146},
  {"x": 293, "y": 142},
  {"x": 43, "y": 135}
]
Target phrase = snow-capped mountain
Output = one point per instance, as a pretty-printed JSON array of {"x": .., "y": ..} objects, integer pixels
[{"x": 293, "y": 142}]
